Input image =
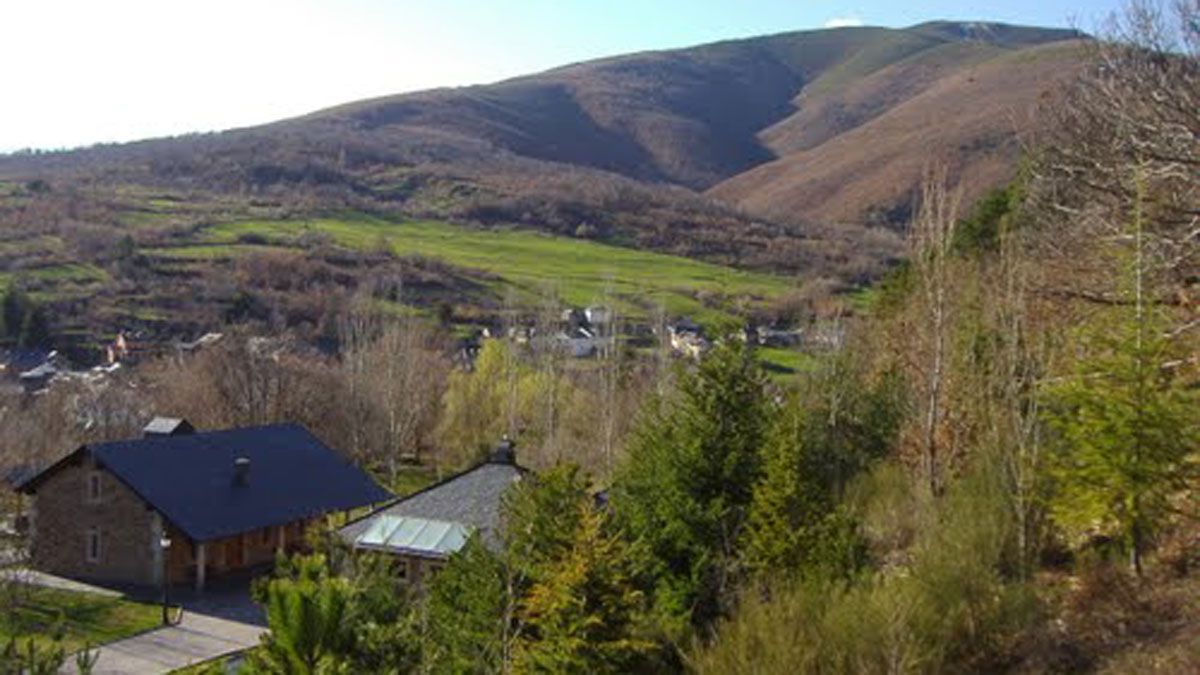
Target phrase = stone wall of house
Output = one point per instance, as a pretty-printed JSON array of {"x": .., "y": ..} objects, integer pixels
[{"x": 64, "y": 513}]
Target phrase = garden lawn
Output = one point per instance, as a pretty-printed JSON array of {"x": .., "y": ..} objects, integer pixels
[{"x": 81, "y": 618}]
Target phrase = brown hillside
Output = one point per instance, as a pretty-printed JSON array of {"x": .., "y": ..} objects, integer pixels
[
  {"x": 792, "y": 129},
  {"x": 855, "y": 153}
]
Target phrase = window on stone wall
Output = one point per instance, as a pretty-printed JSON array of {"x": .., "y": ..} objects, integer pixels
[
  {"x": 93, "y": 545},
  {"x": 95, "y": 487},
  {"x": 266, "y": 535}
]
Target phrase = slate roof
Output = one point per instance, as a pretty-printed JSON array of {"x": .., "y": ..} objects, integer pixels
[
  {"x": 189, "y": 478},
  {"x": 471, "y": 499}
]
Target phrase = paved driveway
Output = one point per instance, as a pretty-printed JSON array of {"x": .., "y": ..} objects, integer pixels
[
  {"x": 221, "y": 621},
  {"x": 197, "y": 638}
]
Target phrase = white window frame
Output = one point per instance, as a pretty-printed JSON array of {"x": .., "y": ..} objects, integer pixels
[
  {"x": 93, "y": 545},
  {"x": 95, "y": 487}
]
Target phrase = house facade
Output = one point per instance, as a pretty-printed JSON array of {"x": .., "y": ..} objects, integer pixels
[{"x": 223, "y": 501}]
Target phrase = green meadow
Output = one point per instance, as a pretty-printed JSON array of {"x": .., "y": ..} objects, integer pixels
[{"x": 522, "y": 262}]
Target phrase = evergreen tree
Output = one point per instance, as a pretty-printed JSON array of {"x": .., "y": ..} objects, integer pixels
[
  {"x": 466, "y": 612},
  {"x": 583, "y": 615},
  {"x": 307, "y": 609},
  {"x": 1127, "y": 430},
  {"x": 684, "y": 492},
  {"x": 385, "y": 628},
  {"x": 35, "y": 328},
  {"x": 543, "y": 518},
  {"x": 1126, "y": 436},
  {"x": 817, "y": 444},
  {"x": 13, "y": 310}
]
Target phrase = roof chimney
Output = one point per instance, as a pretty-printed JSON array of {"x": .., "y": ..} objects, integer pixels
[
  {"x": 241, "y": 471},
  {"x": 505, "y": 453}
]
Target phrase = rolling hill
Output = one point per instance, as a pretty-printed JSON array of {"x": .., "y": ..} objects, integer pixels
[
  {"x": 789, "y": 154},
  {"x": 797, "y": 128}
]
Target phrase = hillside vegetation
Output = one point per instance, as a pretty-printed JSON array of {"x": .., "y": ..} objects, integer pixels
[{"x": 707, "y": 151}]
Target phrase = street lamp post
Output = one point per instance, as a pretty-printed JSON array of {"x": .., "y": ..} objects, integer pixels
[{"x": 165, "y": 544}]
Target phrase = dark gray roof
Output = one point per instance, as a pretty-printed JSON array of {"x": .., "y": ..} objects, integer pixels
[
  {"x": 190, "y": 478},
  {"x": 471, "y": 498}
]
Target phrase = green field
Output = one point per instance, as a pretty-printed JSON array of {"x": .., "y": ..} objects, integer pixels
[
  {"x": 785, "y": 363},
  {"x": 59, "y": 276},
  {"x": 525, "y": 262},
  {"x": 80, "y": 619}
]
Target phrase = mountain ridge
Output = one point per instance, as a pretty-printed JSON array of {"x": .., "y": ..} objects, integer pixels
[{"x": 688, "y": 150}]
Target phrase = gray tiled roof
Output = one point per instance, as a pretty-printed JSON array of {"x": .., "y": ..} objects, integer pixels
[{"x": 471, "y": 498}]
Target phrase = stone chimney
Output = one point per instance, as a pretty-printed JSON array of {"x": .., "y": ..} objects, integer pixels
[{"x": 505, "y": 452}]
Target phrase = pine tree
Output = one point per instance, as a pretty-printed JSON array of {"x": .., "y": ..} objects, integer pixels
[
  {"x": 306, "y": 612},
  {"x": 582, "y": 616},
  {"x": 13, "y": 311},
  {"x": 684, "y": 492},
  {"x": 542, "y": 518},
  {"x": 817, "y": 444},
  {"x": 35, "y": 328},
  {"x": 466, "y": 612},
  {"x": 1127, "y": 430}
]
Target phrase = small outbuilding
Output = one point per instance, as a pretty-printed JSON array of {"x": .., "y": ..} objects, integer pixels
[{"x": 424, "y": 529}]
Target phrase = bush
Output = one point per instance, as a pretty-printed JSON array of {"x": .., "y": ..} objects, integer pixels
[{"x": 951, "y": 609}]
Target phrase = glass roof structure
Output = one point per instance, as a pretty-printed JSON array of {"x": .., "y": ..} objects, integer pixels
[{"x": 413, "y": 536}]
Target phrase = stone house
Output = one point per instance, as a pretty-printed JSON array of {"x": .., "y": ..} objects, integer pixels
[
  {"x": 424, "y": 529},
  {"x": 223, "y": 501}
]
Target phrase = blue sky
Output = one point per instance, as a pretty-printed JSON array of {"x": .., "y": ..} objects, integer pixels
[{"x": 86, "y": 71}]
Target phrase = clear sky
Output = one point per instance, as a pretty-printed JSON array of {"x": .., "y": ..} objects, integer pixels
[{"x": 83, "y": 71}]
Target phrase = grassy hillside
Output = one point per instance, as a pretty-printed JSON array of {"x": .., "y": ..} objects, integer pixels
[
  {"x": 529, "y": 263},
  {"x": 585, "y": 179},
  {"x": 620, "y": 149}
]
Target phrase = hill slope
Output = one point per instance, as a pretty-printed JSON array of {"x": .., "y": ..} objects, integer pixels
[
  {"x": 729, "y": 152},
  {"x": 855, "y": 153}
]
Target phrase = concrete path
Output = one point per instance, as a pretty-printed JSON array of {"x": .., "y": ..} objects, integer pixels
[{"x": 196, "y": 639}]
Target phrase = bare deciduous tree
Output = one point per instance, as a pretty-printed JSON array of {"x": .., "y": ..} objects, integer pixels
[
  {"x": 932, "y": 238},
  {"x": 1130, "y": 123}
]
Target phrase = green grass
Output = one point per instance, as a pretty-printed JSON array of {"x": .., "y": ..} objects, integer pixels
[
  {"x": 785, "y": 363},
  {"x": 526, "y": 262},
  {"x": 82, "y": 618},
  {"x": 210, "y": 251},
  {"x": 59, "y": 276},
  {"x": 411, "y": 479}
]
